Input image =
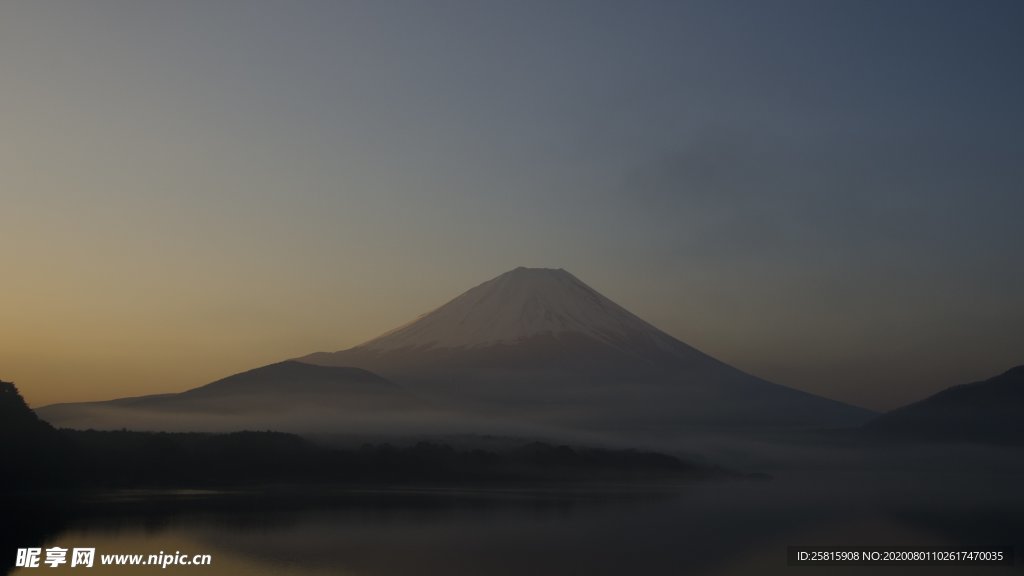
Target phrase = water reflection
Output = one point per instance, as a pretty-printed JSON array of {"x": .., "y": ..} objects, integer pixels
[{"x": 705, "y": 529}]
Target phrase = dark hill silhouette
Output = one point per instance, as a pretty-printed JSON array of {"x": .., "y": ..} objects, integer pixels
[
  {"x": 125, "y": 459},
  {"x": 33, "y": 452},
  {"x": 990, "y": 411},
  {"x": 17, "y": 420}
]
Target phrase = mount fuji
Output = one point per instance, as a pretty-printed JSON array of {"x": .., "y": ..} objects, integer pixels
[
  {"x": 532, "y": 351},
  {"x": 540, "y": 344}
]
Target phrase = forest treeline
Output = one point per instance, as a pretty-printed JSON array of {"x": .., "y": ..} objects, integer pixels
[{"x": 40, "y": 456}]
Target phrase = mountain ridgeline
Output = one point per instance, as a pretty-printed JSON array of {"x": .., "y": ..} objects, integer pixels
[
  {"x": 531, "y": 352},
  {"x": 540, "y": 344},
  {"x": 990, "y": 411},
  {"x": 286, "y": 396},
  {"x": 33, "y": 453}
]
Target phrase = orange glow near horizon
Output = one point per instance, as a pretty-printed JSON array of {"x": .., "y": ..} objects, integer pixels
[{"x": 189, "y": 190}]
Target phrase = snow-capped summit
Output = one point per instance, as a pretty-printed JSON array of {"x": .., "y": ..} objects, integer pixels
[
  {"x": 516, "y": 306},
  {"x": 532, "y": 349},
  {"x": 539, "y": 344}
]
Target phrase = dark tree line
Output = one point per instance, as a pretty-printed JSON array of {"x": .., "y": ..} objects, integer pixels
[{"x": 36, "y": 455}]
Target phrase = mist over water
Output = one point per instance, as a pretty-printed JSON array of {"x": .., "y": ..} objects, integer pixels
[{"x": 969, "y": 496}]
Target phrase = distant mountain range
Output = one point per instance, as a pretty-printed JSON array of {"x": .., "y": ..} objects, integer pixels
[
  {"x": 990, "y": 411},
  {"x": 529, "y": 349}
]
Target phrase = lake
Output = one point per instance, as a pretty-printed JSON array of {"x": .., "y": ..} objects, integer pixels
[{"x": 719, "y": 528}]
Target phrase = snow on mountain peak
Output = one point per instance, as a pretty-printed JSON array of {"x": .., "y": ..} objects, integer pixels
[{"x": 516, "y": 305}]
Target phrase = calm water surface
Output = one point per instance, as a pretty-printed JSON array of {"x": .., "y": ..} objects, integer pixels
[{"x": 730, "y": 528}]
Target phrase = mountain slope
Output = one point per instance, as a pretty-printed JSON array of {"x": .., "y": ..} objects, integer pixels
[
  {"x": 284, "y": 396},
  {"x": 515, "y": 306},
  {"x": 32, "y": 450},
  {"x": 540, "y": 344},
  {"x": 17, "y": 420},
  {"x": 989, "y": 411},
  {"x": 531, "y": 352}
]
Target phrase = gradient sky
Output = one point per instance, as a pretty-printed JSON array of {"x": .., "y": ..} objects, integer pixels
[{"x": 827, "y": 194}]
